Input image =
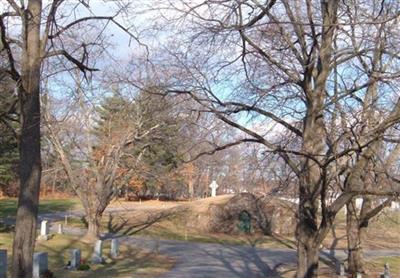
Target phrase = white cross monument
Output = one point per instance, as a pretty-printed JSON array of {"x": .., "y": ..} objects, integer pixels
[{"x": 213, "y": 187}]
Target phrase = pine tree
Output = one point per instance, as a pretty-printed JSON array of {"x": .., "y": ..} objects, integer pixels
[
  {"x": 8, "y": 157},
  {"x": 8, "y": 141},
  {"x": 153, "y": 158}
]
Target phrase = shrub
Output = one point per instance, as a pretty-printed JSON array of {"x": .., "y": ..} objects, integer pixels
[{"x": 83, "y": 267}]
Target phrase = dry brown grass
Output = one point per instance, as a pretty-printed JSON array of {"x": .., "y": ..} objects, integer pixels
[
  {"x": 382, "y": 233},
  {"x": 132, "y": 261}
]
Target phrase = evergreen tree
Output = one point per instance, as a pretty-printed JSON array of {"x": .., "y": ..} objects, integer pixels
[
  {"x": 8, "y": 141},
  {"x": 8, "y": 157},
  {"x": 161, "y": 156},
  {"x": 152, "y": 159}
]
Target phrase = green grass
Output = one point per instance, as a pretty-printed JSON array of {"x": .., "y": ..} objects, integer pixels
[
  {"x": 132, "y": 262},
  {"x": 172, "y": 225},
  {"x": 8, "y": 207},
  {"x": 173, "y": 228},
  {"x": 379, "y": 263}
]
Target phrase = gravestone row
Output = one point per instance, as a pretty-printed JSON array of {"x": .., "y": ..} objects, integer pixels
[
  {"x": 44, "y": 230},
  {"x": 40, "y": 259},
  {"x": 342, "y": 272}
]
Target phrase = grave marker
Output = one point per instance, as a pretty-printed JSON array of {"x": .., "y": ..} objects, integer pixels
[
  {"x": 342, "y": 272},
  {"x": 214, "y": 187},
  {"x": 75, "y": 258},
  {"x": 40, "y": 264},
  {"x": 114, "y": 248},
  {"x": 386, "y": 272},
  {"x": 359, "y": 203},
  {"x": 44, "y": 230},
  {"x": 3, "y": 263},
  {"x": 98, "y": 252}
]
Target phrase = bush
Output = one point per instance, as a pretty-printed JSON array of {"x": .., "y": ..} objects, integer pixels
[
  {"x": 248, "y": 213},
  {"x": 47, "y": 274},
  {"x": 83, "y": 267}
]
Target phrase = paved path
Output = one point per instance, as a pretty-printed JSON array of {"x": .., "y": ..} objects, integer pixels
[
  {"x": 206, "y": 260},
  {"x": 215, "y": 260},
  {"x": 210, "y": 260}
]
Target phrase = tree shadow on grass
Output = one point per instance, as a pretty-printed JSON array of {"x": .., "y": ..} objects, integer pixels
[
  {"x": 124, "y": 226},
  {"x": 246, "y": 262},
  {"x": 131, "y": 260}
]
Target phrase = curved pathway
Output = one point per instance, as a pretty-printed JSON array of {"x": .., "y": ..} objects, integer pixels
[
  {"x": 207, "y": 260},
  {"x": 203, "y": 260}
]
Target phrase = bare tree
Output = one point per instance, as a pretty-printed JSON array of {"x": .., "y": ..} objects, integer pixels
[
  {"x": 379, "y": 178},
  {"x": 93, "y": 160},
  {"x": 31, "y": 32},
  {"x": 298, "y": 65}
]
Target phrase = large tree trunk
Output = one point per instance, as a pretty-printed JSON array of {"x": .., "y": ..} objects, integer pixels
[
  {"x": 94, "y": 207},
  {"x": 355, "y": 260},
  {"x": 30, "y": 159},
  {"x": 28, "y": 201},
  {"x": 93, "y": 220},
  {"x": 307, "y": 234},
  {"x": 357, "y": 226},
  {"x": 311, "y": 175}
]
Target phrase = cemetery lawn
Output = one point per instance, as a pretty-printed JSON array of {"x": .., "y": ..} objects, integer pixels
[
  {"x": 8, "y": 207},
  {"x": 377, "y": 264},
  {"x": 374, "y": 268},
  {"x": 169, "y": 220},
  {"x": 382, "y": 232},
  {"x": 132, "y": 262},
  {"x": 174, "y": 220},
  {"x": 173, "y": 229}
]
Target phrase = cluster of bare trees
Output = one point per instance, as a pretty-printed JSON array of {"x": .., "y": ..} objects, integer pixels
[
  {"x": 34, "y": 35},
  {"x": 325, "y": 72},
  {"x": 312, "y": 84}
]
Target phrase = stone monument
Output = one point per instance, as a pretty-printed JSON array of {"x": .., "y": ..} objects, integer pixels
[
  {"x": 44, "y": 230},
  {"x": 98, "y": 252},
  {"x": 40, "y": 264},
  {"x": 214, "y": 187}
]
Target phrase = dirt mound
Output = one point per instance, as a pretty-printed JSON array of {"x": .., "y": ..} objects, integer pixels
[{"x": 245, "y": 213}]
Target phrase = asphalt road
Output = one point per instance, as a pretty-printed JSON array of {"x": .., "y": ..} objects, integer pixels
[
  {"x": 216, "y": 260},
  {"x": 206, "y": 260}
]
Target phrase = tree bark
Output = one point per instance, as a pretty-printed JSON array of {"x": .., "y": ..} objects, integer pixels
[
  {"x": 30, "y": 175},
  {"x": 311, "y": 176},
  {"x": 306, "y": 234},
  {"x": 93, "y": 220},
  {"x": 29, "y": 145},
  {"x": 354, "y": 232},
  {"x": 94, "y": 209}
]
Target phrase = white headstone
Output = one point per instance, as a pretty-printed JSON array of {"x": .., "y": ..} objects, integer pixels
[
  {"x": 213, "y": 187},
  {"x": 40, "y": 265},
  {"x": 60, "y": 229},
  {"x": 44, "y": 230},
  {"x": 98, "y": 252},
  {"x": 342, "y": 272},
  {"x": 3, "y": 263},
  {"x": 75, "y": 258},
  {"x": 395, "y": 205},
  {"x": 386, "y": 272},
  {"x": 114, "y": 248},
  {"x": 359, "y": 203}
]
